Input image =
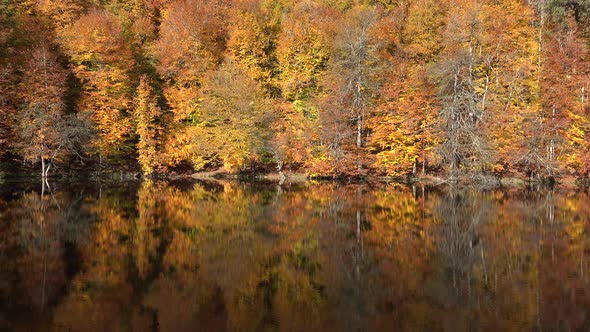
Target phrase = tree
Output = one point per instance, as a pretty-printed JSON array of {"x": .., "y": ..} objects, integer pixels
[
  {"x": 7, "y": 76},
  {"x": 389, "y": 87},
  {"x": 422, "y": 32},
  {"x": 403, "y": 125},
  {"x": 564, "y": 9},
  {"x": 234, "y": 120},
  {"x": 45, "y": 133},
  {"x": 102, "y": 61},
  {"x": 565, "y": 75},
  {"x": 293, "y": 137},
  {"x": 304, "y": 48},
  {"x": 41, "y": 121},
  {"x": 147, "y": 115},
  {"x": 191, "y": 42},
  {"x": 509, "y": 84},
  {"x": 304, "y": 45},
  {"x": 351, "y": 83},
  {"x": 464, "y": 147},
  {"x": 253, "y": 41},
  {"x": 62, "y": 12}
]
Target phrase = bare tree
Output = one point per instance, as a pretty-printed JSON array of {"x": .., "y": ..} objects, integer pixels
[
  {"x": 462, "y": 118},
  {"x": 45, "y": 133},
  {"x": 352, "y": 80}
]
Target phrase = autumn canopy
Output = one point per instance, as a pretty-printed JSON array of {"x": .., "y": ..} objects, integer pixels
[{"x": 459, "y": 88}]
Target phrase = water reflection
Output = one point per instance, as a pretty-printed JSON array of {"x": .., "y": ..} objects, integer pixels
[{"x": 157, "y": 256}]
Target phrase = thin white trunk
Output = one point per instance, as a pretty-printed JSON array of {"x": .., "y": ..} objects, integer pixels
[
  {"x": 359, "y": 130},
  {"x": 42, "y": 189},
  {"x": 42, "y": 167}
]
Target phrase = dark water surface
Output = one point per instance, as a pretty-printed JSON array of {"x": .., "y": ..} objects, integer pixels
[{"x": 191, "y": 256}]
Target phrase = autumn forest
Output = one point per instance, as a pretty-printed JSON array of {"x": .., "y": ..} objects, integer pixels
[{"x": 327, "y": 88}]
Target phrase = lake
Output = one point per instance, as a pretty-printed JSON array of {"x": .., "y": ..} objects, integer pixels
[{"x": 233, "y": 256}]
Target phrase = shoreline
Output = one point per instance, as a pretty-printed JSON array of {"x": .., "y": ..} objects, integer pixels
[
  {"x": 491, "y": 182},
  {"x": 567, "y": 182}
]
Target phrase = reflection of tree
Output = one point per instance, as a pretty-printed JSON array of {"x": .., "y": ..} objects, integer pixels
[
  {"x": 459, "y": 242},
  {"x": 39, "y": 238},
  {"x": 348, "y": 270},
  {"x": 255, "y": 259},
  {"x": 36, "y": 249},
  {"x": 312, "y": 257},
  {"x": 149, "y": 234},
  {"x": 117, "y": 263},
  {"x": 564, "y": 249},
  {"x": 401, "y": 242}
]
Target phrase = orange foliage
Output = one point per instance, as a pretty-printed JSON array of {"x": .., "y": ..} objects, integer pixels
[{"x": 355, "y": 88}]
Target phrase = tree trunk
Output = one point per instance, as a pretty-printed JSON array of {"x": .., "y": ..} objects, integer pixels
[
  {"x": 47, "y": 169},
  {"x": 42, "y": 167},
  {"x": 42, "y": 189},
  {"x": 359, "y": 142},
  {"x": 359, "y": 130}
]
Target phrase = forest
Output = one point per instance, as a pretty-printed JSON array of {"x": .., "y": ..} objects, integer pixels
[{"x": 328, "y": 88}]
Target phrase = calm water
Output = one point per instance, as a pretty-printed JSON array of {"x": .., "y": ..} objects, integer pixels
[{"x": 190, "y": 256}]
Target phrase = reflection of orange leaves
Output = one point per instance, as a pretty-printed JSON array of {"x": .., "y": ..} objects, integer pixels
[
  {"x": 306, "y": 253},
  {"x": 106, "y": 311},
  {"x": 106, "y": 250},
  {"x": 181, "y": 255},
  {"x": 400, "y": 232}
]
